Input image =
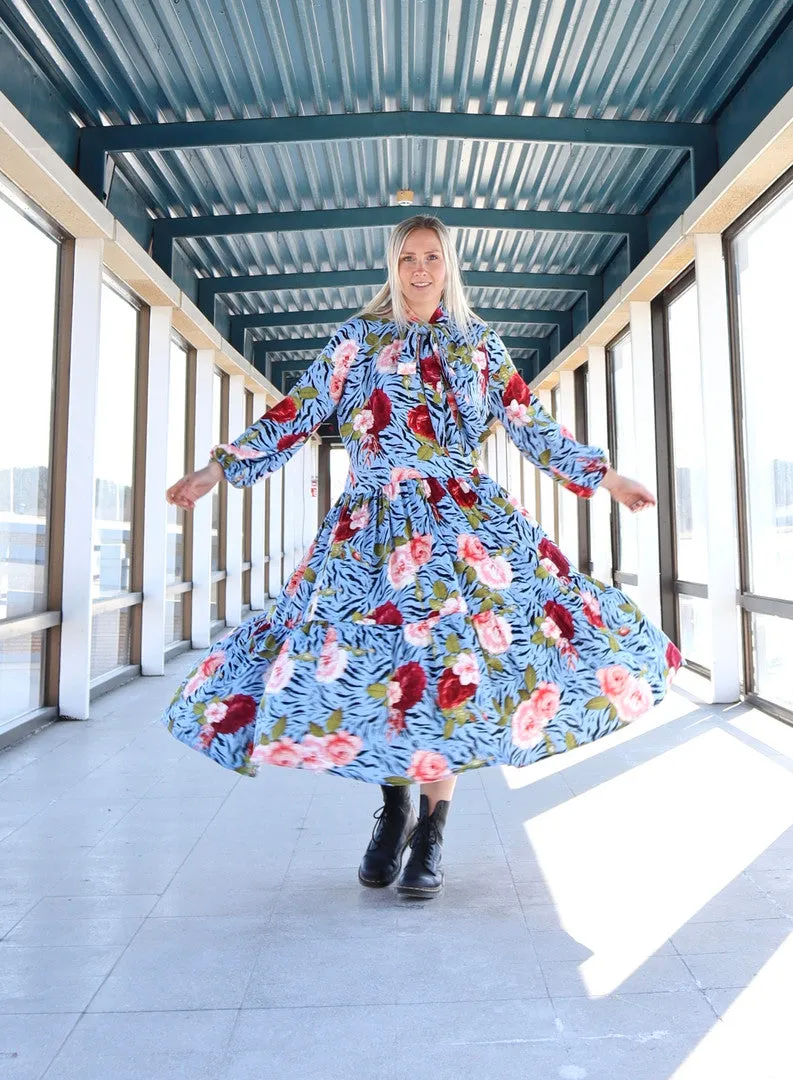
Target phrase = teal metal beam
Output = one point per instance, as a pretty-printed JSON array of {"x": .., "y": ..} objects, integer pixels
[
  {"x": 96, "y": 142},
  {"x": 211, "y": 287},
  {"x": 335, "y": 316},
  {"x": 166, "y": 230}
]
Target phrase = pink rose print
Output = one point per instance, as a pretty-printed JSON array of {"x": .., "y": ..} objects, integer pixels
[
  {"x": 566, "y": 432},
  {"x": 363, "y": 421},
  {"x": 421, "y": 549},
  {"x": 244, "y": 453},
  {"x": 493, "y": 631},
  {"x": 359, "y": 518},
  {"x": 336, "y": 386},
  {"x": 343, "y": 356},
  {"x": 282, "y": 670},
  {"x": 205, "y": 670},
  {"x": 613, "y": 681},
  {"x": 495, "y": 573},
  {"x": 454, "y": 605},
  {"x": 420, "y": 633},
  {"x": 401, "y": 567},
  {"x": 470, "y": 548},
  {"x": 332, "y": 659},
  {"x": 214, "y": 712},
  {"x": 466, "y": 669},
  {"x": 635, "y": 699},
  {"x": 427, "y": 766},
  {"x": 389, "y": 356},
  {"x": 592, "y": 609},
  {"x": 284, "y": 752},
  {"x": 294, "y": 581},
  {"x": 545, "y": 700},
  {"x": 342, "y": 747},
  {"x": 313, "y": 753},
  {"x": 531, "y": 717}
]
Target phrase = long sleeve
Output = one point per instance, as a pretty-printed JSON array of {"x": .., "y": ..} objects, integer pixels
[
  {"x": 276, "y": 436},
  {"x": 536, "y": 434}
]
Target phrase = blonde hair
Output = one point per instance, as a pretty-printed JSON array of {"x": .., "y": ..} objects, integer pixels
[{"x": 389, "y": 303}]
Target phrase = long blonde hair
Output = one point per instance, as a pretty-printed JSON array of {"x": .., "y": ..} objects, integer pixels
[{"x": 389, "y": 303}]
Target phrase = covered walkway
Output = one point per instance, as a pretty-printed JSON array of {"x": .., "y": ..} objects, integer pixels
[
  {"x": 621, "y": 913},
  {"x": 193, "y": 196}
]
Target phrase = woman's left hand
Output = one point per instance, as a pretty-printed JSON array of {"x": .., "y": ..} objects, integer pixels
[{"x": 628, "y": 492}]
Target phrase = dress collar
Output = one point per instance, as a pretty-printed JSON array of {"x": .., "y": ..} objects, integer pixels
[{"x": 439, "y": 315}]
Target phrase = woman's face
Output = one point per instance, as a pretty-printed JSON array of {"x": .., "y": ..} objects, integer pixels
[{"x": 422, "y": 271}]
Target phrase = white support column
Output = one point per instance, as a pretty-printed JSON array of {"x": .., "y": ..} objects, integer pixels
[
  {"x": 202, "y": 515},
  {"x": 293, "y": 512},
  {"x": 644, "y": 419},
  {"x": 600, "y": 506},
  {"x": 276, "y": 524},
  {"x": 75, "y": 666},
  {"x": 258, "y": 523},
  {"x": 155, "y": 511},
  {"x": 311, "y": 516},
  {"x": 500, "y": 456},
  {"x": 568, "y": 503},
  {"x": 545, "y": 509},
  {"x": 714, "y": 351},
  {"x": 234, "y": 509}
]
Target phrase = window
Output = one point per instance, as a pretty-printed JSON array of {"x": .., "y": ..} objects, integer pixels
[
  {"x": 177, "y": 600},
  {"x": 220, "y": 412},
  {"x": 622, "y": 437},
  {"x": 29, "y": 261},
  {"x": 688, "y": 474},
  {"x": 112, "y": 630},
  {"x": 761, "y": 279}
]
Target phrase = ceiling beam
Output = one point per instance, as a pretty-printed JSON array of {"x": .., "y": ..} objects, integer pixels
[
  {"x": 239, "y": 324},
  {"x": 211, "y": 287},
  {"x": 166, "y": 230},
  {"x": 97, "y": 142}
]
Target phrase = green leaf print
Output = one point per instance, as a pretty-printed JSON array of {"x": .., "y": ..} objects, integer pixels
[
  {"x": 377, "y": 690},
  {"x": 309, "y": 575},
  {"x": 530, "y": 679},
  {"x": 346, "y": 430},
  {"x": 448, "y": 728},
  {"x": 570, "y": 740},
  {"x": 308, "y": 392},
  {"x": 278, "y": 729},
  {"x": 549, "y": 747},
  {"x": 315, "y": 729},
  {"x": 545, "y": 457},
  {"x": 424, "y": 453},
  {"x": 440, "y": 590},
  {"x": 334, "y": 721},
  {"x": 598, "y": 702},
  {"x": 398, "y": 781},
  {"x": 453, "y": 643}
]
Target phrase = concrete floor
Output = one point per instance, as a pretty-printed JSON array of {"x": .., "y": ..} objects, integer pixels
[{"x": 623, "y": 911}]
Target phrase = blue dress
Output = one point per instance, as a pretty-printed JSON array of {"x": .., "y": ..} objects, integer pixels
[{"x": 432, "y": 626}]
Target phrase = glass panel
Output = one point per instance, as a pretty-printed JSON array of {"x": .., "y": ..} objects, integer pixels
[
  {"x": 772, "y": 648},
  {"x": 177, "y": 406},
  {"x": 688, "y": 439},
  {"x": 217, "y": 605},
  {"x": 115, "y": 445},
  {"x": 174, "y": 619},
  {"x": 625, "y": 450},
  {"x": 764, "y": 282},
  {"x": 110, "y": 641},
  {"x": 339, "y": 467},
  {"x": 694, "y": 615},
  {"x": 22, "y": 664},
  {"x": 28, "y": 292},
  {"x": 217, "y": 385}
]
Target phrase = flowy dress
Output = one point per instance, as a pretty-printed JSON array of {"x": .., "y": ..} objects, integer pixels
[{"x": 432, "y": 626}]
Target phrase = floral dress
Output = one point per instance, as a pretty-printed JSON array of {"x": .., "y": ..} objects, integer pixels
[{"x": 431, "y": 626}]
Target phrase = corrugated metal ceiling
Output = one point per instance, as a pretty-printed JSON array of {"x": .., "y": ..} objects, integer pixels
[{"x": 144, "y": 61}]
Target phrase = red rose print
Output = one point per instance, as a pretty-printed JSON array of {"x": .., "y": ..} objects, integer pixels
[
  {"x": 387, "y": 614},
  {"x": 562, "y": 617},
  {"x": 419, "y": 422},
  {"x": 436, "y": 489},
  {"x": 343, "y": 529},
  {"x": 289, "y": 440},
  {"x": 282, "y": 412},
  {"x": 240, "y": 710},
  {"x": 673, "y": 657},
  {"x": 452, "y": 692},
  {"x": 459, "y": 494},
  {"x": 517, "y": 390},
  {"x": 412, "y": 680},
  {"x": 578, "y": 489},
  {"x": 380, "y": 407},
  {"x": 431, "y": 369},
  {"x": 549, "y": 550}
]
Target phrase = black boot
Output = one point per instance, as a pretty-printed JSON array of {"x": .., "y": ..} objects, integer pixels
[
  {"x": 423, "y": 877},
  {"x": 396, "y": 820}
]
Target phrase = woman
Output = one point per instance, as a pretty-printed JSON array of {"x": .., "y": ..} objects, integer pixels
[{"x": 432, "y": 626}]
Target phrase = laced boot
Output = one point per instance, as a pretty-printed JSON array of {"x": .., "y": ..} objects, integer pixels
[
  {"x": 395, "y": 821},
  {"x": 422, "y": 876}
]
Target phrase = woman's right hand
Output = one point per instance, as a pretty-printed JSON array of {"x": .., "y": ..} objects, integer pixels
[{"x": 186, "y": 491}]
